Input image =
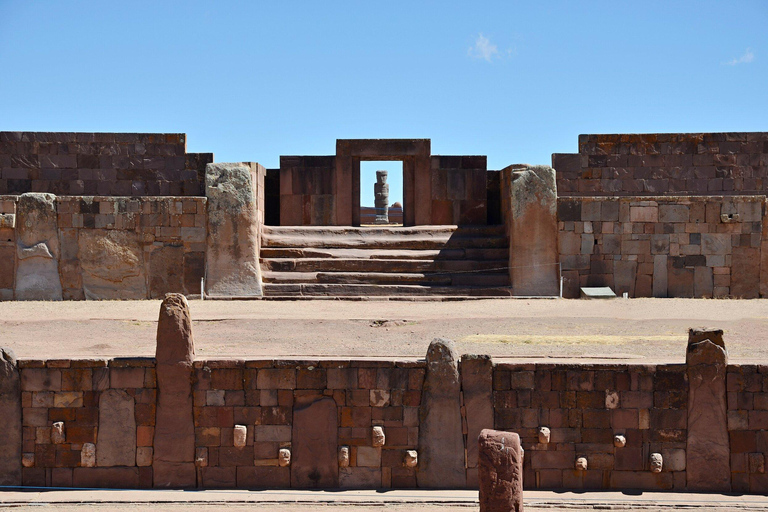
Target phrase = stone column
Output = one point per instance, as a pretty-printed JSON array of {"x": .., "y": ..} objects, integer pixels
[
  {"x": 529, "y": 200},
  {"x": 381, "y": 198},
  {"x": 234, "y": 191},
  {"x": 10, "y": 412},
  {"x": 441, "y": 440},
  {"x": 174, "y": 444},
  {"x": 37, "y": 248},
  {"x": 501, "y": 471},
  {"x": 708, "y": 465},
  {"x": 477, "y": 387}
]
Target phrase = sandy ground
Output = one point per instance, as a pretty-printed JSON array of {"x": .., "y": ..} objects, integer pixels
[
  {"x": 633, "y": 330},
  {"x": 290, "y": 507}
]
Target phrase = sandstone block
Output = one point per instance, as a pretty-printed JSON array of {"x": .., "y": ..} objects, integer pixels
[
  {"x": 240, "y": 435},
  {"x": 343, "y": 456},
  {"x": 708, "y": 445},
  {"x": 315, "y": 456},
  {"x": 116, "y": 442},
  {"x": 58, "y": 435},
  {"x": 368, "y": 456},
  {"x": 441, "y": 438},
  {"x": 37, "y": 248},
  {"x": 10, "y": 410},
  {"x": 411, "y": 459},
  {"x": 234, "y": 223},
  {"x": 532, "y": 229},
  {"x": 144, "y": 456},
  {"x": 378, "y": 438},
  {"x": 500, "y": 471},
  {"x": 477, "y": 386},
  {"x": 112, "y": 263},
  {"x": 88, "y": 455}
]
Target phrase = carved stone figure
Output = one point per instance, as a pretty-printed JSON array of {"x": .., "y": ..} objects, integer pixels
[{"x": 381, "y": 198}]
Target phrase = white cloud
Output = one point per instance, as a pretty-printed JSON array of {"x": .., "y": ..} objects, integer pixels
[
  {"x": 483, "y": 49},
  {"x": 748, "y": 57}
]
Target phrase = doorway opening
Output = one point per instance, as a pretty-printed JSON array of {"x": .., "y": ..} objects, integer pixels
[{"x": 381, "y": 193}]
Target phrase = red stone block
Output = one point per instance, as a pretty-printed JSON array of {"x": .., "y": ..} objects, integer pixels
[
  {"x": 145, "y": 414},
  {"x": 229, "y": 378},
  {"x": 270, "y": 477},
  {"x": 311, "y": 379},
  {"x": 218, "y": 477}
]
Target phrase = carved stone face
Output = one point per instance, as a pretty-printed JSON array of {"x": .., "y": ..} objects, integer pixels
[{"x": 656, "y": 462}]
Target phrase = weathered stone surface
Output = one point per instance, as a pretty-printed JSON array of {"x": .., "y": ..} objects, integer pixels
[
  {"x": 88, "y": 455},
  {"x": 532, "y": 229},
  {"x": 234, "y": 223},
  {"x": 174, "y": 442},
  {"x": 619, "y": 441},
  {"x": 544, "y": 435},
  {"x": 581, "y": 464},
  {"x": 500, "y": 471},
  {"x": 37, "y": 248},
  {"x": 708, "y": 445},
  {"x": 116, "y": 442},
  {"x": 745, "y": 272},
  {"x": 112, "y": 264},
  {"x": 344, "y": 456},
  {"x": 166, "y": 271},
  {"x": 10, "y": 411},
  {"x": 411, "y": 458},
  {"x": 656, "y": 463},
  {"x": 315, "y": 463},
  {"x": 441, "y": 441},
  {"x": 378, "y": 438},
  {"x": 381, "y": 198},
  {"x": 58, "y": 436},
  {"x": 477, "y": 386},
  {"x": 284, "y": 457},
  {"x": 240, "y": 435}
]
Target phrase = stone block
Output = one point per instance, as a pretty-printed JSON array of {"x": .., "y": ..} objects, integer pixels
[
  {"x": 715, "y": 244},
  {"x": 745, "y": 272},
  {"x": 477, "y": 386},
  {"x": 532, "y": 229},
  {"x": 314, "y": 445},
  {"x": 368, "y": 456},
  {"x": 232, "y": 255},
  {"x": 112, "y": 264},
  {"x": 37, "y": 248},
  {"x": 644, "y": 213},
  {"x": 624, "y": 274},
  {"x": 673, "y": 213},
  {"x": 11, "y": 412},
  {"x": 166, "y": 270},
  {"x": 116, "y": 442}
]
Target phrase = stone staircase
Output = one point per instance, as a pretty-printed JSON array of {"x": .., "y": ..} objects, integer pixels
[{"x": 421, "y": 261}]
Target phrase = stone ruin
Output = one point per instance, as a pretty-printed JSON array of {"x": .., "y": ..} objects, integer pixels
[
  {"x": 88, "y": 216},
  {"x": 180, "y": 421},
  {"x": 381, "y": 198}
]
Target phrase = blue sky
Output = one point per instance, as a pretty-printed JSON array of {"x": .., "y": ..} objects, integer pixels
[{"x": 515, "y": 81}]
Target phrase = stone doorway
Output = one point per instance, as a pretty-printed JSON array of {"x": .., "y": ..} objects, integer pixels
[{"x": 381, "y": 193}]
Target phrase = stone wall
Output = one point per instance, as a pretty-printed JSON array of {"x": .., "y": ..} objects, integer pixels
[
  {"x": 369, "y": 428},
  {"x": 115, "y": 247},
  {"x": 459, "y": 190},
  {"x": 104, "y": 164},
  {"x": 665, "y": 164},
  {"x": 307, "y": 190},
  {"x": 663, "y": 246}
]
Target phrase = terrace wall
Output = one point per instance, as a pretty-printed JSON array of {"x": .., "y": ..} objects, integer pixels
[
  {"x": 664, "y": 246},
  {"x": 103, "y": 164},
  {"x": 659, "y": 164}
]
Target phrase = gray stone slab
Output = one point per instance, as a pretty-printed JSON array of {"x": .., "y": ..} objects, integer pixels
[
  {"x": 314, "y": 444},
  {"x": 37, "y": 248},
  {"x": 116, "y": 442},
  {"x": 597, "y": 292},
  {"x": 477, "y": 387}
]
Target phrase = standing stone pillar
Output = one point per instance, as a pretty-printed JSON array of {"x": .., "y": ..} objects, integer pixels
[
  {"x": 441, "y": 440},
  {"x": 381, "y": 198},
  {"x": 10, "y": 412},
  {"x": 174, "y": 445},
  {"x": 501, "y": 471},
  {"x": 708, "y": 465},
  {"x": 37, "y": 248},
  {"x": 477, "y": 387},
  {"x": 529, "y": 198},
  {"x": 235, "y": 215}
]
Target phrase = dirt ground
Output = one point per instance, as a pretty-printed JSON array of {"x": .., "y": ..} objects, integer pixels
[
  {"x": 291, "y": 507},
  {"x": 620, "y": 330}
]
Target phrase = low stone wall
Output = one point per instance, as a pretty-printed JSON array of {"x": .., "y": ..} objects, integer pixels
[
  {"x": 459, "y": 190},
  {"x": 105, "y": 164},
  {"x": 384, "y": 424},
  {"x": 663, "y": 246}
]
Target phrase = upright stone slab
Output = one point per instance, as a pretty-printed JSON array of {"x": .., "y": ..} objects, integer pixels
[
  {"x": 37, "y": 248},
  {"x": 708, "y": 449},
  {"x": 477, "y": 387},
  {"x": 441, "y": 441},
  {"x": 112, "y": 264},
  {"x": 116, "y": 442},
  {"x": 314, "y": 449},
  {"x": 10, "y": 412},
  {"x": 234, "y": 223},
  {"x": 531, "y": 218},
  {"x": 501, "y": 471},
  {"x": 174, "y": 445}
]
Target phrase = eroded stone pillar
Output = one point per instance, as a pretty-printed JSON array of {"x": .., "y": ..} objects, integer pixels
[
  {"x": 174, "y": 445},
  {"x": 37, "y": 248},
  {"x": 708, "y": 465},
  {"x": 530, "y": 202},
  {"x": 10, "y": 412},
  {"x": 441, "y": 441},
  {"x": 501, "y": 471},
  {"x": 477, "y": 387},
  {"x": 235, "y": 192}
]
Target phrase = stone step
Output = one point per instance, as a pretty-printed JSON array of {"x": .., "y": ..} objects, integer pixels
[
  {"x": 474, "y": 279},
  {"x": 419, "y": 242},
  {"x": 380, "y": 265},
  {"x": 385, "y": 231},
  {"x": 364, "y": 290},
  {"x": 386, "y": 254}
]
